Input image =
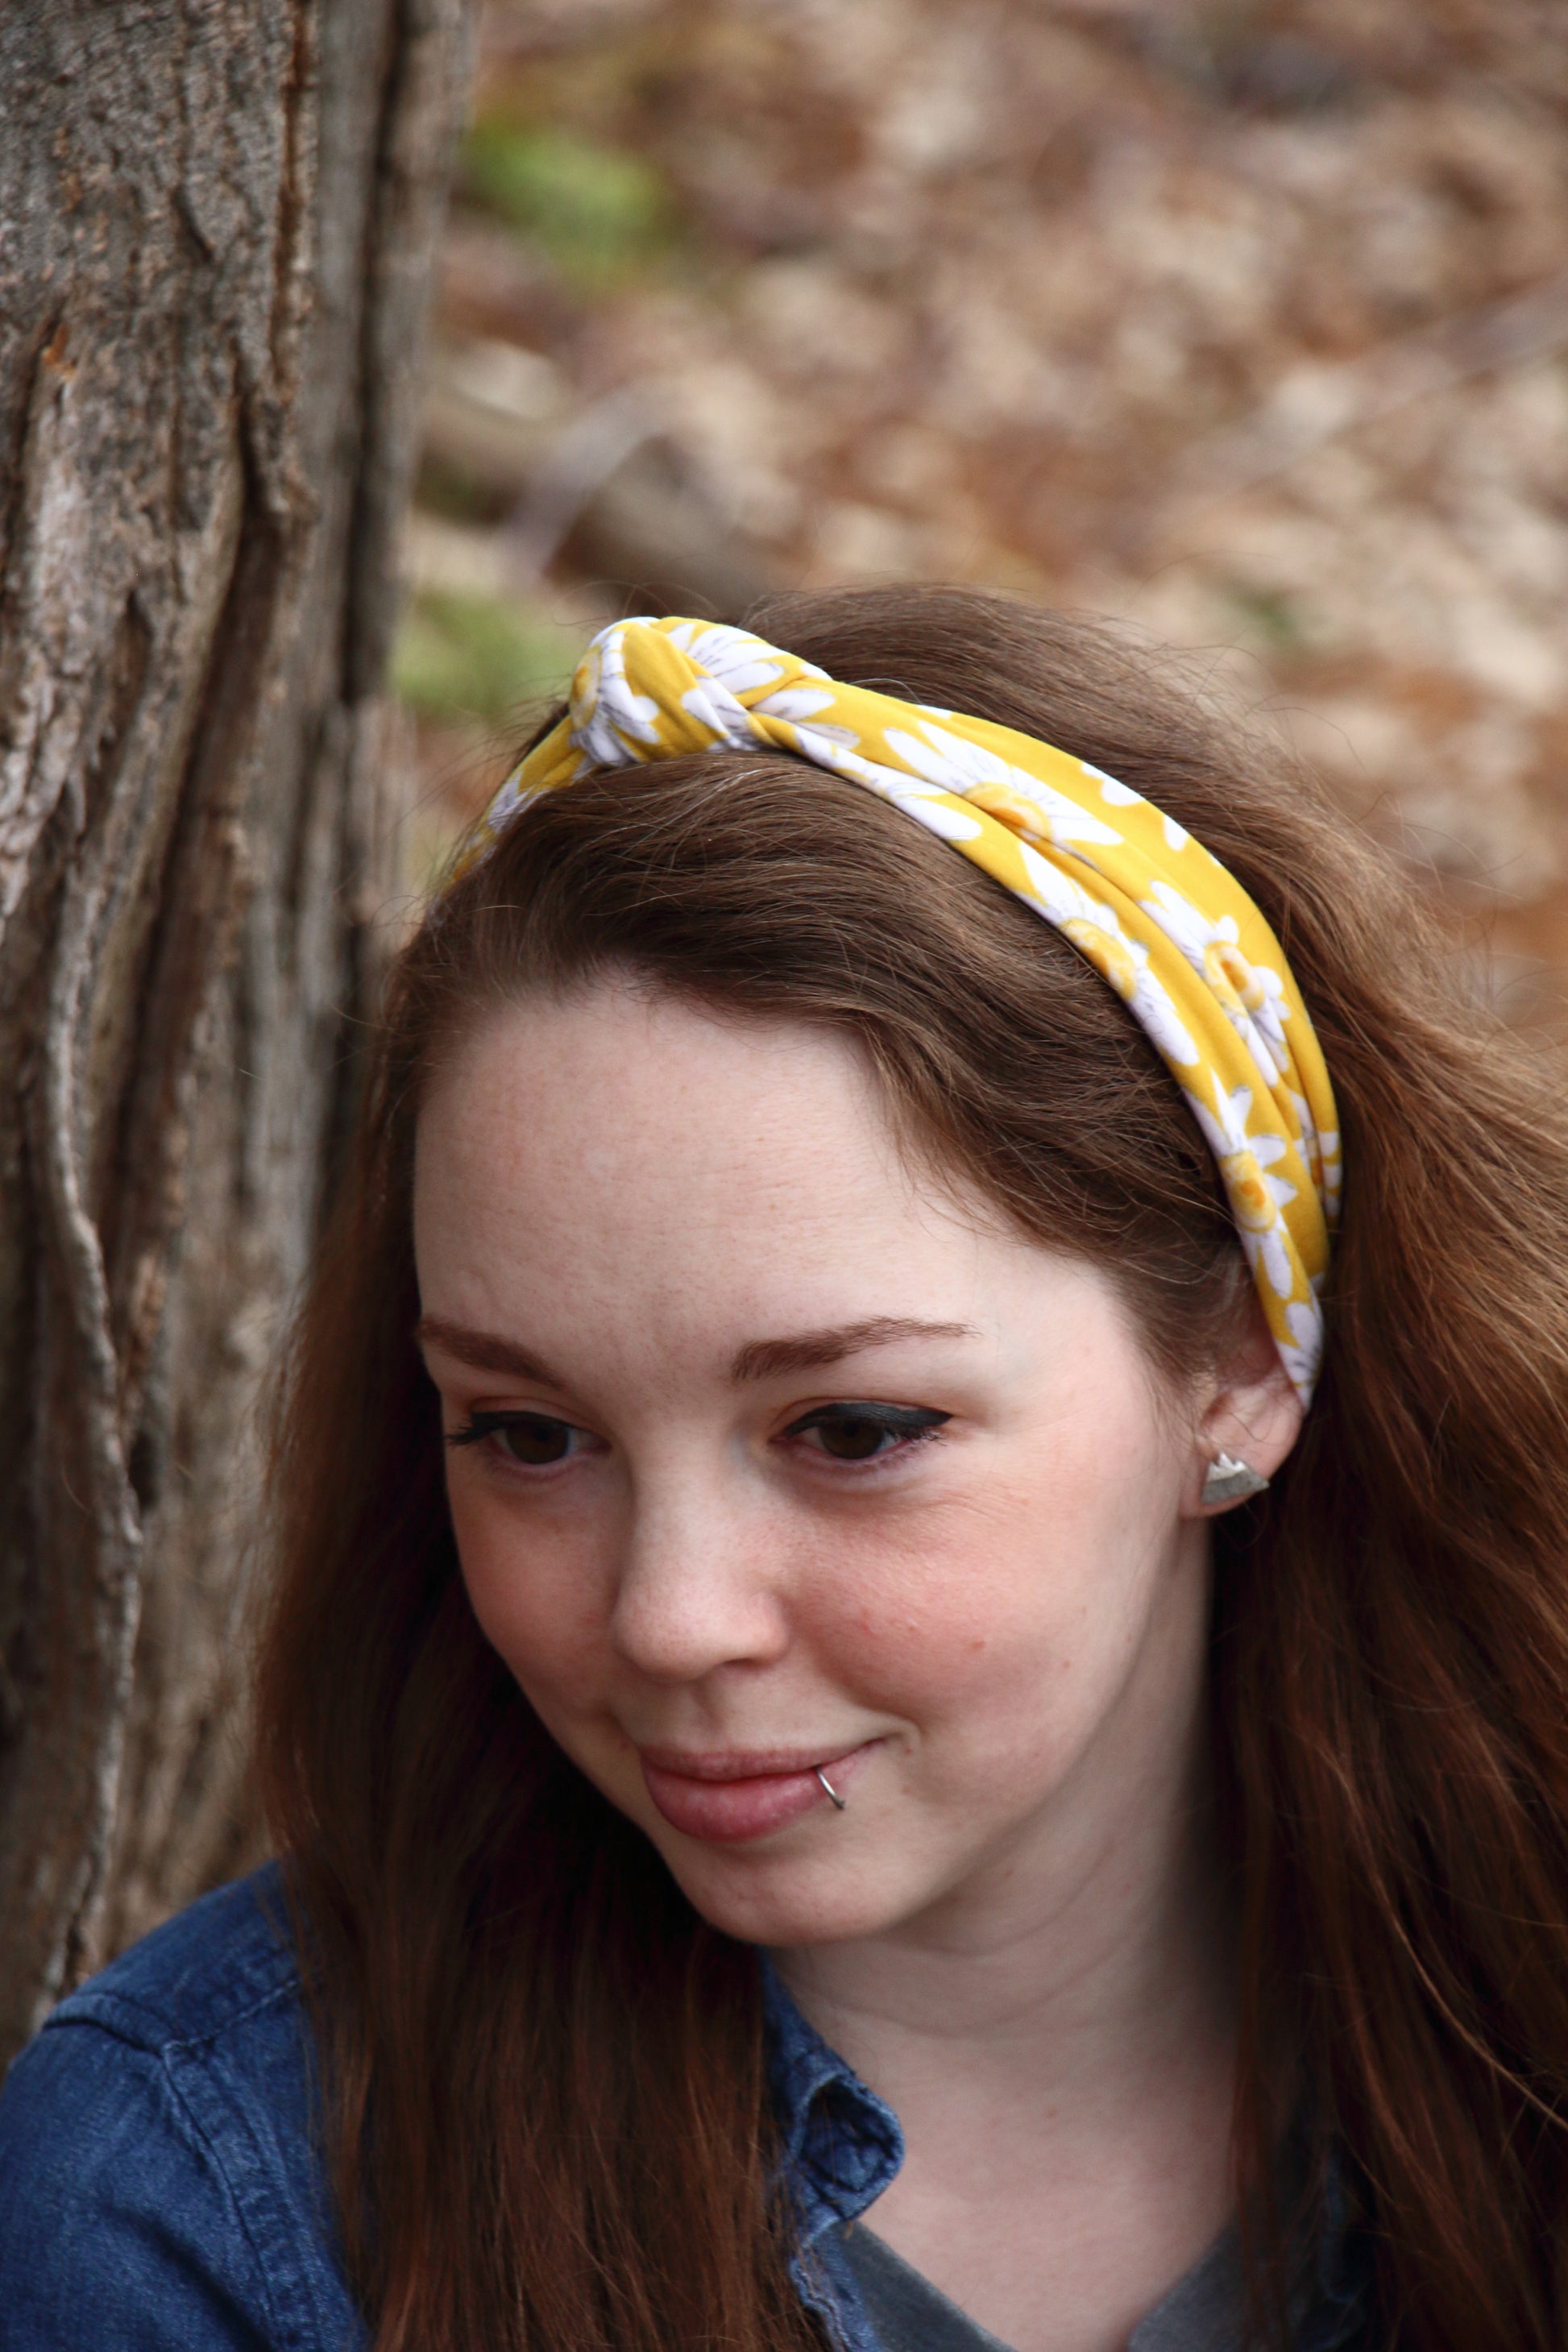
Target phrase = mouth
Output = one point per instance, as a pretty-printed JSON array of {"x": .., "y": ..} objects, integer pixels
[{"x": 727, "y": 1796}]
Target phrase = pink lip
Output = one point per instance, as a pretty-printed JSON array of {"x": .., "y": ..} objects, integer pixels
[{"x": 727, "y": 1797}]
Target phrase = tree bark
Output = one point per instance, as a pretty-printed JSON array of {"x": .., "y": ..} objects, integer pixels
[{"x": 216, "y": 226}]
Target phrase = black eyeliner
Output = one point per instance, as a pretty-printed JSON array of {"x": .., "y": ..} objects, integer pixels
[
  {"x": 904, "y": 1420},
  {"x": 481, "y": 1426}
]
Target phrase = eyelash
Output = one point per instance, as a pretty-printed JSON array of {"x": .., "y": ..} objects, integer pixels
[
  {"x": 482, "y": 1425},
  {"x": 909, "y": 1425}
]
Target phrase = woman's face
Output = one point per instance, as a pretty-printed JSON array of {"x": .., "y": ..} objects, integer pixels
[{"x": 770, "y": 1452}]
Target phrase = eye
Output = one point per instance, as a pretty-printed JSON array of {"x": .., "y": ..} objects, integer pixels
[
  {"x": 533, "y": 1439},
  {"x": 865, "y": 1433}
]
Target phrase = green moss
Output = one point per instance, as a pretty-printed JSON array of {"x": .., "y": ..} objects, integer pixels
[
  {"x": 442, "y": 488},
  {"x": 464, "y": 655},
  {"x": 600, "y": 212},
  {"x": 1268, "y": 613}
]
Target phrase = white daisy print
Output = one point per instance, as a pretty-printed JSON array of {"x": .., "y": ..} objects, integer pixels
[
  {"x": 1253, "y": 996},
  {"x": 971, "y": 769}
]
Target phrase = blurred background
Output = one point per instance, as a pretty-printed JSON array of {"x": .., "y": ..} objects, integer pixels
[{"x": 1248, "y": 323}]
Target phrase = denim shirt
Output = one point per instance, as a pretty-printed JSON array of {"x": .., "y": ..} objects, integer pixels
[
  {"x": 162, "y": 2188},
  {"x": 842, "y": 2147}
]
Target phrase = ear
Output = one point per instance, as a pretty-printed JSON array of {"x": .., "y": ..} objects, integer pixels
[{"x": 1252, "y": 1412}]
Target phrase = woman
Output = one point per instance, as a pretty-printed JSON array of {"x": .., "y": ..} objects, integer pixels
[{"x": 963, "y": 1742}]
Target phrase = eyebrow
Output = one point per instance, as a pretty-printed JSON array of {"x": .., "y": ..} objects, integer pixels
[
  {"x": 771, "y": 1359},
  {"x": 760, "y": 1359},
  {"x": 485, "y": 1350}
]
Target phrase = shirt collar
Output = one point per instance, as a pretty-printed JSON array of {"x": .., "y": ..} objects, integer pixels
[{"x": 841, "y": 2143}]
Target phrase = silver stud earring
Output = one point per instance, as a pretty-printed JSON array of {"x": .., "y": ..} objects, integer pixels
[{"x": 1228, "y": 1480}]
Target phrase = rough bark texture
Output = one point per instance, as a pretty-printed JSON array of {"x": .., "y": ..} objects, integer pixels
[{"x": 216, "y": 222}]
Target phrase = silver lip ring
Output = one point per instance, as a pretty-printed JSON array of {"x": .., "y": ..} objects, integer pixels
[{"x": 838, "y": 1801}]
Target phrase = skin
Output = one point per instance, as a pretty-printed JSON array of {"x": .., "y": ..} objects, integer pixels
[{"x": 676, "y": 1248}]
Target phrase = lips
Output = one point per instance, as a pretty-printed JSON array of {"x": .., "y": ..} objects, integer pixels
[{"x": 725, "y": 1798}]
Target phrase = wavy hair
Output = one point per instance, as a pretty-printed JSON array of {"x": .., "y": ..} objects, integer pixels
[{"x": 547, "y": 2116}]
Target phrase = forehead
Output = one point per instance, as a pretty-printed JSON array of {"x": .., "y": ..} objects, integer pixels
[
  {"x": 631, "y": 1157},
  {"x": 634, "y": 1189},
  {"x": 612, "y": 1111}
]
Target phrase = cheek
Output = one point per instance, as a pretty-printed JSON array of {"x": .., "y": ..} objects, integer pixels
[
  {"x": 535, "y": 1590},
  {"x": 1004, "y": 1616},
  {"x": 946, "y": 1611}
]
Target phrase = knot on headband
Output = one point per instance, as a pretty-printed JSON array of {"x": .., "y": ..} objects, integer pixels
[{"x": 1159, "y": 919}]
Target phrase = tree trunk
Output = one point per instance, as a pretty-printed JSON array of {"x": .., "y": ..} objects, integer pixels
[{"x": 216, "y": 225}]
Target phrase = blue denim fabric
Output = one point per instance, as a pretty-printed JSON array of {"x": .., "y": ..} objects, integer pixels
[
  {"x": 842, "y": 2145},
  {"x": 160, "y": 2189}
]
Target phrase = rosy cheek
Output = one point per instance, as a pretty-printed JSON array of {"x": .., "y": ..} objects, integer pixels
[
  {"x": 536, "y": 1600},
  {"x": 946, "y": 1626}
]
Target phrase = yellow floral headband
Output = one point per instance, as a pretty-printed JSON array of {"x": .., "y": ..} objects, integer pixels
[{"x": 1176, "y": 937}]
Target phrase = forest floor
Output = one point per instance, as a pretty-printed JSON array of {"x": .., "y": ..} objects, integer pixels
[{"x": 1244, "y": 323}]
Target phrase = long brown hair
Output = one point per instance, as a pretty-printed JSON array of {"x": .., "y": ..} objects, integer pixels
[{"x": 548, "y": 2117}]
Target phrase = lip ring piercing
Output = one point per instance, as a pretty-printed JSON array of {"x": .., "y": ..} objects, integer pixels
[{"x": 838, "y": 1801}]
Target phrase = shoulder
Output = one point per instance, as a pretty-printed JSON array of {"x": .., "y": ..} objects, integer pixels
[
  {"x": 207, "y": 1973},
  {"x": 159, "y": 2176},
  {"x": 209, "y": 2005}
]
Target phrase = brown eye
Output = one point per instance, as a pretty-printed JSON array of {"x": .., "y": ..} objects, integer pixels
[
  {"x": 853, "y": 1441},
  {"x": 531, "y": 1439},
  {"x": 865, "y": 1433}
]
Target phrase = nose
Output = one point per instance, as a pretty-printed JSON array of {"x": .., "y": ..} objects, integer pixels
[{"x": 701, "y": 1584}]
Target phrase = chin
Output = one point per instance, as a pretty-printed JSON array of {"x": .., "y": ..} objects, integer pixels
[{"x": 769, "y": 1900}]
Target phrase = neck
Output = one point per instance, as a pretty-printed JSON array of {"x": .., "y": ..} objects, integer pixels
[
  {"x": 1094, "y": 1948},
  {"x": 1057, "y": 2037}
]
